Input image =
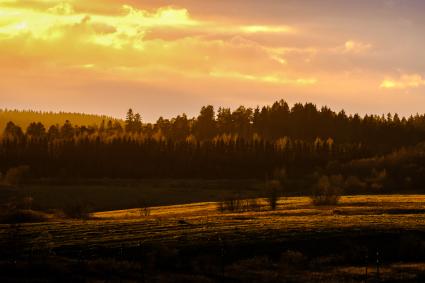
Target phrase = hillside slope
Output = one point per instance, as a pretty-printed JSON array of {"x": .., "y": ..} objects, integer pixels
[{"x": 24, "y": 117}]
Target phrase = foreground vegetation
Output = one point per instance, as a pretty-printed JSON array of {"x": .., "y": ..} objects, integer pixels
[{"x": 197, "y": 243}]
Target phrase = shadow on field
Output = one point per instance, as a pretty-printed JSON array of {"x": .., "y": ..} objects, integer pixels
[{"x": 344, "y": 257}]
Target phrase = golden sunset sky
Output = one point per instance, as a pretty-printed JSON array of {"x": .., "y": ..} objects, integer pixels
[{"x": 167, "y": 57}]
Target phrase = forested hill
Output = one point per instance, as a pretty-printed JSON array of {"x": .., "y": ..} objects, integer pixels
[
  {"x": 370, "y": 152},
  {"x": 23, "y": 118}
]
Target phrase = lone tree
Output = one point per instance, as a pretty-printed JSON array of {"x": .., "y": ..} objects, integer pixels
[
  {"x": 327, "y": 190},
  {"x": 129, "y": 118},
  {"x": 275, "y": 187}
]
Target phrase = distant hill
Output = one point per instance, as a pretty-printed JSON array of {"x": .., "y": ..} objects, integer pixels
[{"x": 24, "y": 117}]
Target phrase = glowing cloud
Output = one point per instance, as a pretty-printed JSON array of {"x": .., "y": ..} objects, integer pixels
[
  {"x": 274, "y": 79},
  {"x": 267, "y": 29},
  {"x": 405, "y": 81},
  {"x": 62, "y": 9},
  {"x": 354, "y": 47},
  {"x": 127, "y": 39}
]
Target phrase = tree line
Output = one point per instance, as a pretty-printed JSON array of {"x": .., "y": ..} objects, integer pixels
[{"x": 241, "y": 143}]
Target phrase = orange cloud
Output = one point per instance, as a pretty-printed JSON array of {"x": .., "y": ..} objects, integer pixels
[
  {"x": 60, "y": 36},
  {"x": 356, "y": 46},
  {"x": 352, "y": 47},
  {"x": 404, "y": 82}
]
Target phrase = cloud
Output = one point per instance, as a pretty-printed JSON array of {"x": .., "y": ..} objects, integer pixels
[
  {"x": 266, "y": 29},
  {"x": 404, "y": 82},
  {"x": 217, "y": 50},
  {"x": 62, "y": 9},
  {"x": 353, "y": 47},
  {"x": 135, "y": 42},
  {"x": 272, "y": 79}
]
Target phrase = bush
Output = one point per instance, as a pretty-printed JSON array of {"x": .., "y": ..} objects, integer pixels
[
  {"x": 143, "y": 208},
  {"x": 327, "y": 191},
  {"x": 253, "y": 205},
  {"x": 16, "y": 175},
  {"x": 238, "y": 205},
  {"x": 77, "y": 211},
  {"x": 231, "y": 205}
]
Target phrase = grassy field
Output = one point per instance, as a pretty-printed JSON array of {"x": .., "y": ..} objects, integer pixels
[
  {"x": 198, "y": 222},
  {"x": 326, "y": 243}
]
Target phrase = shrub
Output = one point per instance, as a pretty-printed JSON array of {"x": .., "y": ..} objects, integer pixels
[
  {"x": 231, "y": 205},
  {"x": 327, "y": 191},
  {"x": 253, "y": 205},
  {"x": 77, "y": 211},
  {"x": 238, "y": 205},
  {"x": 144, "y": 209}
]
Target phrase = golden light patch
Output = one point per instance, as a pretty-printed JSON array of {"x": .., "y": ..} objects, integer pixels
[
  {"x": 275, "y": 79},
  {"x": 405, "y": 81},
  {"x": 62, "y": 9},
  {"x": 131, "y": 23},
  {"x": 267, "y": 29}
]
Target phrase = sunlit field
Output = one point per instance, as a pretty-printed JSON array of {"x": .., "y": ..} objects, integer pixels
[
  {"x": 201, "y": 222},
  {"x": 345, "y": 234}
]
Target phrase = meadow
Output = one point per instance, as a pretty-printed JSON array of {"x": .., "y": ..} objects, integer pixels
[{"x": 198, "y": 243}]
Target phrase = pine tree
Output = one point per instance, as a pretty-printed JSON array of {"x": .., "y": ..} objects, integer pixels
[
  {"x": 129, "y": 121},
  {"x": 137, "y": 123}
]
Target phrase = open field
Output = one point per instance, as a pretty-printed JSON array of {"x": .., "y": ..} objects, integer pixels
[
  {"x": 201, "y": 222},
  {"x": 327, "y": 241}
]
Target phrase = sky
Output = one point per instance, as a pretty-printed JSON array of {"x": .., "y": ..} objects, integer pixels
[{"x": 163, "y": 58}]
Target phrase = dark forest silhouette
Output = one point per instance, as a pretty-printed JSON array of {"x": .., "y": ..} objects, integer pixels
[{"x": 244, "y": 143}]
